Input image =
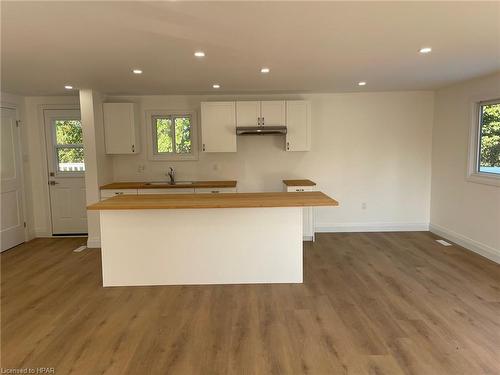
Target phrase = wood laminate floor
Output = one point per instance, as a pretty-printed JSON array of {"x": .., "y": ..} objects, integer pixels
[{"x": 371, "y": 303}]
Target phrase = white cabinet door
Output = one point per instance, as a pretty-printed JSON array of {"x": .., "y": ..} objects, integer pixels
[
  {"x": 218, "y": 126},
  {"x": 273, "y": 112},
  {"x": 214, "y": 190},
  {"x": 166, "y": 191},
  {"x": 298, "y": 124},
  {"x": 247, "y": 113},
  {"x": 121, "y": 128},
  {"x": 108, "y": 193}
]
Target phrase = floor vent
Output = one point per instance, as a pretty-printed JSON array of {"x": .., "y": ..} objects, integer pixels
[{"x": 444, "y": 243}]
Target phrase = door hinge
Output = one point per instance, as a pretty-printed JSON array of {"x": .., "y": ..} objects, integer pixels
[{"x": 18, "y": 122}]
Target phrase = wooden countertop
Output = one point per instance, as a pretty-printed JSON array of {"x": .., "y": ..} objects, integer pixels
[
  {"x": 299, "y": 183},
  {"x": 146, "y": 185},
  {"x": 226, "y": 200}
]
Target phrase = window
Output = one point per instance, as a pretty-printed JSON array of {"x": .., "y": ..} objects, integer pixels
[
  {"x": 489, "y": 138},
  {"x": 69, "y": 146},
  {"x": 173, "y": 136},
  {"x": 484, "y": 150}
]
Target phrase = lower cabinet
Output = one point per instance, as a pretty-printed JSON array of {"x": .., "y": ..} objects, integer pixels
[
  {"x": 214, "y": 190},
  {"x": 108, "y": 193},
  {"x": 166, "y": 191},
  {"x": 308, "y": 214}
]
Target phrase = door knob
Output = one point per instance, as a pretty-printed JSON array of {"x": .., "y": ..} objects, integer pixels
[{"x": 53, "y": 182}]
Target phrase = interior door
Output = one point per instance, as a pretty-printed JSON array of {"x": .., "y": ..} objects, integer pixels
[
  {"x": 247, "y": 113},
  {"x": 66, "y": 167},
  {"x": 273, "y": 112},
  {"x": 12, "y": 225}
]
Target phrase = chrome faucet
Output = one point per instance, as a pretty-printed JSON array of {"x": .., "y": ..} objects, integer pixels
[{"x": 171, "y": 174}]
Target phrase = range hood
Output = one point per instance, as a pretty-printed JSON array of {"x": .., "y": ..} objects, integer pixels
[{"x": 260, "y": 130}]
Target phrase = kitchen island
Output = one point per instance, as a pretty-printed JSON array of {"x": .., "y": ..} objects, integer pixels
[{"x": 181, "y": 239}]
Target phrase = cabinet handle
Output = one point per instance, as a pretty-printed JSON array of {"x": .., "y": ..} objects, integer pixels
[
  {"x": 203, "y": 147},
  {"x": 288, "y": 146},
  {"x": 215, "y": 191},
  {"x": 133, "y": 148},
  {"x": 119, "y": 193},
  {"x": 263, "y": 121},
  {"x": 299, "y": 189}
]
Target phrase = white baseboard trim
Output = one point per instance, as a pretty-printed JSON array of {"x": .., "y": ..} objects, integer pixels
[
  {"x": 94, "y": 242},
  {"x": 371, "y": 227},
  {"x": 470, "y": 244},
  {"x": 42, "y": 233}
]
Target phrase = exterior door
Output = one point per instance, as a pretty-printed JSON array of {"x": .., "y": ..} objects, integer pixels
[
  {"x": 66, "y": 167},
  {"x": 12, "y": 225}
]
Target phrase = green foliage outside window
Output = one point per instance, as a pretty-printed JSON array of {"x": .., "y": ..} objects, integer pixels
[
  {"x": 69, "y": 132},
  {"x": 490, "y": 136},
  {"x": 181, "y": 132}
]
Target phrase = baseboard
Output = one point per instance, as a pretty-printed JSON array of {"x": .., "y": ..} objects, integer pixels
[
  {"x": 42, "y": 233},
  {"x": 371, "y": 227},
  {"x": 470, "y": 244},
  {"x": 94, "y": 242}
]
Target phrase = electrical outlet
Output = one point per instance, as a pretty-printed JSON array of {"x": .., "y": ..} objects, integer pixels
[
  {"x": 363, "y": 206},
  {"x": 141, "y": 168}
]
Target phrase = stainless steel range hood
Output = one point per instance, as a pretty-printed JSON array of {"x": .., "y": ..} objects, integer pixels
[{"x": 260, "y": 130}]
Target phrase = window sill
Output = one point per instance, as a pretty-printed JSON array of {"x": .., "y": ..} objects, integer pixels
[{"x": 484, "y": 178}]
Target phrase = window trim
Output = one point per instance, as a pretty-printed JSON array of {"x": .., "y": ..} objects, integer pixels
[
  {"x": 473, "y": 160},
  {"x": 57, "y": 146},
  {"x": 153, "y": 154}
]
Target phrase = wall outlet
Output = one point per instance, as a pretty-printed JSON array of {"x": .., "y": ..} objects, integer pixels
[
  {"x": 141, "y": 168},
  {"x": 363, "y": 206}
]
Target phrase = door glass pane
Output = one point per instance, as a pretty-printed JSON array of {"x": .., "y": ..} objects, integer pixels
[
  {"x": 183, "y": 135},
  {"x": 489, "y": 152},
  {"x": 68, "y": 132},
  {"x": 163, "y": 129},
  {"x": 70, "y": 159}
]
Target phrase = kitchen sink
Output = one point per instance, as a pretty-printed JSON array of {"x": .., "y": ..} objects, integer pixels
[{"x": 168, "y": 183}]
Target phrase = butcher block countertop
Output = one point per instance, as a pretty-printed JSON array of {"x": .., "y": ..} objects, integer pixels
[
  {"x": 166, "y": 185},
  {"x": 228, "y": 200},
  {"x": 299, "y": 183}
]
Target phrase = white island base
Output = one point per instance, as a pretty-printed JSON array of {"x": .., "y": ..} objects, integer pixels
[{"x": 201, "y": 246}]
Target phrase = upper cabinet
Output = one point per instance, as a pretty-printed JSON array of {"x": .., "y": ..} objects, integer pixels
[
  {"x": 273, "y": 113},
  {"x": 121, "y": 128},
  {"x": 218, "y": 126},
  {"x": 298, "y": 125},
  {"x": 219, "y": 121},
  {"x": 257, "y": 113}
]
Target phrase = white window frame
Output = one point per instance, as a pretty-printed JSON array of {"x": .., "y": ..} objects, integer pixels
[
  {"x": 473, "y": 173},
  {"x": 151, "y": 136}
]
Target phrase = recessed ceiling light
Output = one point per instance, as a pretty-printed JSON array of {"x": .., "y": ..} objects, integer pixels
[
  {"x": 68, "y": 87},
  {"x": 425, "y": 50},
  {"x": 265, "y": 70},
  {"x": 362, "y": 83},
  {"x": 199, "y": 54},
  {"x": 216, "y": 86},
  {"x": 137, "y": 71}
]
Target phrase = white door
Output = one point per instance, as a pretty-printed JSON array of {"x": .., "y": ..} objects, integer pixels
[
  {"x": 218, "y": 127},
  {"x": 12, "y": 225},
  {"x": 66, "y": 167},
  {"x": 247, "y": 113},
  {"x": 273, "y": 112}
]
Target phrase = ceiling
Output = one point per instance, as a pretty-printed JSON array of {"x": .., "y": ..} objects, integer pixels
[{"x": 309, "y": 46}]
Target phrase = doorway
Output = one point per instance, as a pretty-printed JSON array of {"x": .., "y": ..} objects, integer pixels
[
  {"x": 12, "y": 224},
  {"x": 66, "y": 168}
]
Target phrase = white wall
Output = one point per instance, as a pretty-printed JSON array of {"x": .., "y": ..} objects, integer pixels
[
  {"x": 98, "y": 165},
  {"x": 366, "y": 147},
  {"x": 463, "y": 211}
]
